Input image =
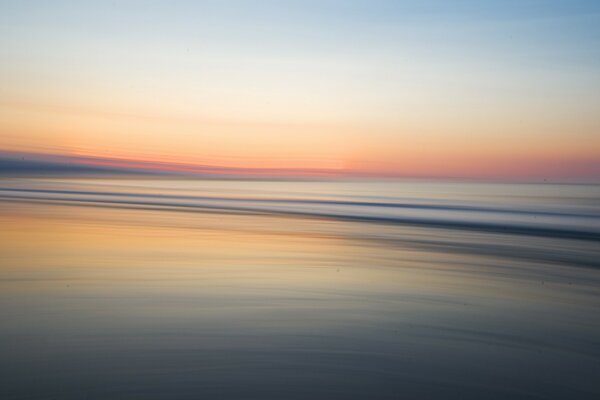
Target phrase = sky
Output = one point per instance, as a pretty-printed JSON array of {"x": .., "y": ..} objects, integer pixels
[{"x": 474, "y": 89}]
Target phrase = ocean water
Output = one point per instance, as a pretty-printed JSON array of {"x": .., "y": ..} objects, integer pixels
[{"x": 193, "y": 289}]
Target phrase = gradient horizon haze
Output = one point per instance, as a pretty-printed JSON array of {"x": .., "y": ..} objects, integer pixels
[
  {"x": 299, "y": 199},
  {"x": 492, "y": 89}
]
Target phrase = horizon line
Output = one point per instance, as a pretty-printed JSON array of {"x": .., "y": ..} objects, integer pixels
[{"x": 21, "y": 163}]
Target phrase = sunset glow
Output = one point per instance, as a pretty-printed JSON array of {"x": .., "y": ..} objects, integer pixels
[
  {"x": 300, "y": 199},
  {"x": 391, "y": 89}
]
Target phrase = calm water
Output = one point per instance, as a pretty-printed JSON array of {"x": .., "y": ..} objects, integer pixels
[{"x": 158, "y": 289}]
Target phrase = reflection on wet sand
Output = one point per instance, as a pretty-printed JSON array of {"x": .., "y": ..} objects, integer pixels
[{"x": 122, "y": 303}]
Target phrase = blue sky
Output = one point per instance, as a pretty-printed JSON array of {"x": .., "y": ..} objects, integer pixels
[{"x": 337, "y": 83}]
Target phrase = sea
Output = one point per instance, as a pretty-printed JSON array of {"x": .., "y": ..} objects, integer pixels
[{"x": 128, "y": 288}]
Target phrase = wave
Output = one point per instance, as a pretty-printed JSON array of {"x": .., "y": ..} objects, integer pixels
[{"x": 476, "y": 218}]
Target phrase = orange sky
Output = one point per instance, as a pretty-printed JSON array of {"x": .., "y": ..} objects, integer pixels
[{"x": 418, "y": 93}]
